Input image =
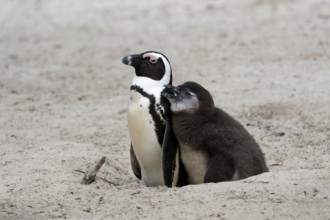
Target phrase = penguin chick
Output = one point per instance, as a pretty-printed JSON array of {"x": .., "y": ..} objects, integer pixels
[{"x": 214, "y": 146}]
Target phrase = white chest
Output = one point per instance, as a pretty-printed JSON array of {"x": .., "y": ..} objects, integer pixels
[
  {"x": 144, "y": 139},
  {"x": 195, "y": 163}
]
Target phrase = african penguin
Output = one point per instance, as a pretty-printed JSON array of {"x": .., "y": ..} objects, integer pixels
[
  {"x": 149, "y": 121},
  {"x": 214, "y": 146}
]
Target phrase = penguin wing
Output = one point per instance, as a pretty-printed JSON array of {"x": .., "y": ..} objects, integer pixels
[
  {"x": 169, "y": 148},
  {"x": 221, "y": 166},
  {"x": 135, "y": 164}
]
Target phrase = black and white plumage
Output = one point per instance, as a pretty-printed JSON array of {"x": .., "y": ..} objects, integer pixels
[{"x": 149, "y": 121}]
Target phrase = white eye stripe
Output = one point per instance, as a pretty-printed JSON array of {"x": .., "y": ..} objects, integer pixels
[{"x": 147, "y": 82}]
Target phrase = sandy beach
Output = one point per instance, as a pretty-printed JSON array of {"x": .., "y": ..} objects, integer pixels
[{"x": 64, "y": 94}]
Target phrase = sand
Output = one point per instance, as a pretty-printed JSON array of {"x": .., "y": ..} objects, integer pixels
[{"x": 64, "y": 93}]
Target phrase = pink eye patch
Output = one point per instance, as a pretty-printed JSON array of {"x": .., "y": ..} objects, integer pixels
[{"x": 151, "y": 57}]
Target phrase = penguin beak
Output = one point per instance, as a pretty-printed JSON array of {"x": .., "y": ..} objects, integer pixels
[
  {"x": 170, "y": 91},
  {"x": 131, "y": 60}
]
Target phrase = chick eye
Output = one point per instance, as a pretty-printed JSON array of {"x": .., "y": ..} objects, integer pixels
[
  {"x": 189, "y": 93},
  {"x": 153, "y": 61}
]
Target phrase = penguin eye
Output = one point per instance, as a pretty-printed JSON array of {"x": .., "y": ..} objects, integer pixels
[
  {"x": 189, "y": 92},
  {"x": 153, "y": 61}
]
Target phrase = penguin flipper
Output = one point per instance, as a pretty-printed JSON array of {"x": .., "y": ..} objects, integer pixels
[
  {"x": 220, "y": 167},
  {"x": 135, "y": 164},
  {"x": 170, "y": 149}
]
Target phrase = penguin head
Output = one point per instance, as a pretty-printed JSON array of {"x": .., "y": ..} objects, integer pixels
[
  {"x": 189, "y": 97},
  {"x": 152, "y": 65}
]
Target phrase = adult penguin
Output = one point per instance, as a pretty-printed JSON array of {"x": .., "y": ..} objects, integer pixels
[{"x": 154, "y": 149}]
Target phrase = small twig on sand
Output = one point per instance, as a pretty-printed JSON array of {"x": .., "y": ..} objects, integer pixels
[
  {"x": 89, "y": 177},
  {"x": 109, "y": 181},
  {"x": 80, "y": 171}
]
